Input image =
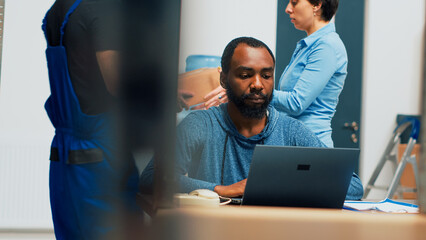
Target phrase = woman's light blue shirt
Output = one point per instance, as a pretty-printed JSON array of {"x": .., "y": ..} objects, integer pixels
[{"x": 310, "y": 85}]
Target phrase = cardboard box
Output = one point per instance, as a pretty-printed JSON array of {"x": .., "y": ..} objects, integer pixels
[
  {"x": 200, "y": 82},
  {"x": 407, "y": 177}
]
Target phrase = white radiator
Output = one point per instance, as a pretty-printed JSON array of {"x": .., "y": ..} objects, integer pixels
[{"x": 24, "y": 187}]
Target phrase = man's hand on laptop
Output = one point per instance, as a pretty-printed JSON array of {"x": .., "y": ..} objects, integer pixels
[{"x": 233, "y": 190}]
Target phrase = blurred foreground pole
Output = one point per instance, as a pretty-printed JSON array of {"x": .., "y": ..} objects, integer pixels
[
  {"x": 422, "y": 166},
  {"x": 150, "y": 72}
]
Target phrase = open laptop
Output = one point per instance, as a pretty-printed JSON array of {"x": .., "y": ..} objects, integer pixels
[{"x": 299, "y": 176}]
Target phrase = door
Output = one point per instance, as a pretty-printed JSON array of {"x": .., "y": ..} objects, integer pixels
[
  {"x": 350, "y": 26},
  {"x": 346, "y": 122}
]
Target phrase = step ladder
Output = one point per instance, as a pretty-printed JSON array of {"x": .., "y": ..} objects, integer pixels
[{"x": 390, "y": 155}]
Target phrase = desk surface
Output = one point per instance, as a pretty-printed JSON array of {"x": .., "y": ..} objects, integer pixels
[{"x": 245, "y": 222}]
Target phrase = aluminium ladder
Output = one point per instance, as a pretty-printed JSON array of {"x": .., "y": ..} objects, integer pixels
[{"x": 389, "y": 155}]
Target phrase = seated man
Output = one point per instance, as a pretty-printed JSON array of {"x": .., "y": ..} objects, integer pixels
[{"x": 215, "y": 146}]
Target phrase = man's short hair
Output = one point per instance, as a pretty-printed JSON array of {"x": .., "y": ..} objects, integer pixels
[
  {"x": 329, "y": 8},
  {"x": 230, "y": 48}
]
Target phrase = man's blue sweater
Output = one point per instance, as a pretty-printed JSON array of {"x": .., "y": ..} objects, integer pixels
[{"x": 208, "y": 141}]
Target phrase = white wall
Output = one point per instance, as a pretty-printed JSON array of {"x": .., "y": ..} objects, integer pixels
[
  {"x": 25, "y": 130},
  {"x": 392, "y": 74},
  {"x": 207, "y": 26}
]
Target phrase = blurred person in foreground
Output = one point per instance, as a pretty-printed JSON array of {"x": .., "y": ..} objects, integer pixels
[{"x": 92, "y": 183}]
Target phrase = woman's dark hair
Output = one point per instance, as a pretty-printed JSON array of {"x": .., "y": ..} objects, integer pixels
[
  {"x": 229, "y": 50},
  {"x": 329, "y": 8}
]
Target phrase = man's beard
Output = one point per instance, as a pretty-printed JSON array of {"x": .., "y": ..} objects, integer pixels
[{"x": 257, "y": 112}]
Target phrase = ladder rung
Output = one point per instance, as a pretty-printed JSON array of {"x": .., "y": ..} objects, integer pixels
[{"x": 376, "y": 187}]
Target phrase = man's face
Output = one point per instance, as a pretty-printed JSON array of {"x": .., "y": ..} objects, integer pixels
[{"x": 250, "y": 80}]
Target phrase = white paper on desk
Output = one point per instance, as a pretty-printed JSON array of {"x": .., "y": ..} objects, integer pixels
[{"x": 387, "y": 205}]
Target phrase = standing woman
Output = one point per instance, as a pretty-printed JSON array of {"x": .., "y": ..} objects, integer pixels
[{"x": 310, "y": 85}]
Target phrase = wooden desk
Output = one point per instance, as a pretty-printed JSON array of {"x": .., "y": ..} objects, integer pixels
[{"x": 263, "y": 223}]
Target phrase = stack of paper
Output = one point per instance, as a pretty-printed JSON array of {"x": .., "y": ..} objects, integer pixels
[{"x": 387, "y": 205}]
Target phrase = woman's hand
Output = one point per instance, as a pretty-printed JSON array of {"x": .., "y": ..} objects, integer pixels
[{"x": 214, "y": 98}]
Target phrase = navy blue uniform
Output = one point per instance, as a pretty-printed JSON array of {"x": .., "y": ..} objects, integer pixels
[{"x": 87, "y": 184}]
